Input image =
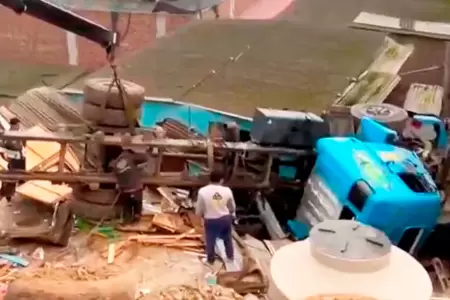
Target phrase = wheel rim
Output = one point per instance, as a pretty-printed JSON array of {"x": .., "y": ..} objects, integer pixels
[{"x": 378, "y": 111}]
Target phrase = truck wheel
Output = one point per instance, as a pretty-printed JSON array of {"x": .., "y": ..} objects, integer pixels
[
  {"x": 96, "y": 91},
  {"x": 107, "y": 116},
  {"x": 100, "y": 196},
  {"x": 388, "y": 114},
  {"x": 95, "y": 212}
]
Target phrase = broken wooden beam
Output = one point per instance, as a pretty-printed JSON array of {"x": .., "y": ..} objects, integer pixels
[
  {"x": 137, "y": 141},
  {"x": 169, "y": 180}
]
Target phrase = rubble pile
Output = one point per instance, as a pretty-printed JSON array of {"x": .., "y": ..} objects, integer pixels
[{"x": 202, "y": 292}]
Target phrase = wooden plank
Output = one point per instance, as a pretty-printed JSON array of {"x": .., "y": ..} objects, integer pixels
[
  {"x": 424, "y": 99},
  {"x": 373, "y": 87},
  {"x": 170, "y": 222},
  {"x": 379, "y": 79},
  {"x": 38, "y": 153},
  {"x": 230, "y": 266},
  {"x": 169, "y": 203},
  {"x": 391, "y": 57},
  {"x": 377, "y": 22},
  {"x": 44, "y": 191}
]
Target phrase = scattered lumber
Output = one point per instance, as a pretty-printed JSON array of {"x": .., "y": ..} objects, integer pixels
[
  {"x": 144, "y": 226},
  {"x": 202, "y": 292},
  {"x": 45, "y": 156},
  {"x": 188, "y": 241},
  {"x": 171, "y": 222},
  {"x": 173, "y": 199}
]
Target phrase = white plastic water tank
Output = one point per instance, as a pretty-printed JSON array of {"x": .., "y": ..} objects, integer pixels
[{"x": 348, "y": 260}]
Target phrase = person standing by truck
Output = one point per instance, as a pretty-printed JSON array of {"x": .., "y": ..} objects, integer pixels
[
  {"x": 13, "y": 151},
  {"x": 216, "y": 205},
  {"x": 129, "y": 180}
]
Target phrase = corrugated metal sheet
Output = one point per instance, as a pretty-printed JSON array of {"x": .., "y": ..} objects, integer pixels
[
  {"x": 424, "y": 99},
  {"x": 177, "y": 130},
  {"x": 376, "y": 22},
  {"x": 46, "y": 106}
]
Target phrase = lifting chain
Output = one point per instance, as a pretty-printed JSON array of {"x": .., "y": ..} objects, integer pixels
[{"x": 130, "y": 111}]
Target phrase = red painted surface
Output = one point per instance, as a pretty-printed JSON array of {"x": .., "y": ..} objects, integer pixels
[
  {"x": 266, "y": 9},
  {"x": 25, "y": 39}
]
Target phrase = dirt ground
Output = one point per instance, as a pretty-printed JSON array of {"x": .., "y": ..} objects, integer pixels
[{"x": 152, "y": 268}]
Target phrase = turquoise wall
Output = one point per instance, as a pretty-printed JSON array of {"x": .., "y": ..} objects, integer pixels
[{"x": 197, "y": 117}]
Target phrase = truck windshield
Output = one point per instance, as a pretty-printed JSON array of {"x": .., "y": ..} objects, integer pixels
[{"x": 418, "y": 183}]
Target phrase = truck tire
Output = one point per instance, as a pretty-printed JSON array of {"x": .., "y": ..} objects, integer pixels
[
  {"x": 388, "y": 114},
  {"x": 95, "y": 212},
  {"x": 107, "y": 116},
  {"x": 100, "y": 196},
  {"x": 97, "y": 91}
]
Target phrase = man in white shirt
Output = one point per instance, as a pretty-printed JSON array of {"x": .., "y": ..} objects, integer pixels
[{"x": 215, "y": 204}]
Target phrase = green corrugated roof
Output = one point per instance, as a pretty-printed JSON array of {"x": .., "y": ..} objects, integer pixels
[{"x": 299, "y": 62}]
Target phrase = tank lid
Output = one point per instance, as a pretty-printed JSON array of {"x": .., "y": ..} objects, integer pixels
[{"x": 350, "y": 246}]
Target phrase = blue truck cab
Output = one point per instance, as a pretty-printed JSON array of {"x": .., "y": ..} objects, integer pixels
[{"x": 375, "y": 183}]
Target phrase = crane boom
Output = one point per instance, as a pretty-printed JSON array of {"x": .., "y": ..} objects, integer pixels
[{"x": 65, "y": 19}]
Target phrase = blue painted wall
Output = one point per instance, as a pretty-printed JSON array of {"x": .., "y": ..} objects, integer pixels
[{"x": 197, "y": 117}]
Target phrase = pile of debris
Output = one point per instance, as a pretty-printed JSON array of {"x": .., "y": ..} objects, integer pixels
[
  {"x": 202, "y": 292},
  {"x": 170, "y": 230}
]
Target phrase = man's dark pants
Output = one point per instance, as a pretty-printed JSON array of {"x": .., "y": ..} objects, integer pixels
[
  {"x": 132, "y": 205},
  {"x": 218, "y": 229},
  {"x": 9, "y": 187}
]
